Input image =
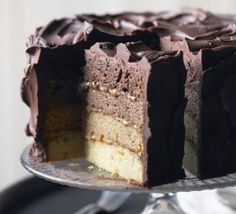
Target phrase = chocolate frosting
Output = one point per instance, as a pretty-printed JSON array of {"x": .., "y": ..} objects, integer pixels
[{"x": 201, "y": 28}]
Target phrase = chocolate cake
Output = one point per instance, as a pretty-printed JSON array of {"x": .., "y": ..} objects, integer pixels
[
  {"x": 107, "y": 93},
  {"x": 111, "y": 88}
]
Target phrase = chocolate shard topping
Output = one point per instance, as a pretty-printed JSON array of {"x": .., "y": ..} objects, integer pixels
[{"x": 195, "y": 25}]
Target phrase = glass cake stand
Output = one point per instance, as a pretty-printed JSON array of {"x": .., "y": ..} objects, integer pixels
[{"x": 82, "y": 174}]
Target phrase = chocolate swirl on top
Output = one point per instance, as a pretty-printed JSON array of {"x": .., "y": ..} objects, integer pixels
[
  {"x": 200, "y": 29},
  {"x": 69, "y": 31},
  {"x": 226, "y": 36}
]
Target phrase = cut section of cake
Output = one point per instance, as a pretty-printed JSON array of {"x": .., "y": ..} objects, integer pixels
[
  {"x": 118, "y": 102},
  {"x": 134, "y": 111}
]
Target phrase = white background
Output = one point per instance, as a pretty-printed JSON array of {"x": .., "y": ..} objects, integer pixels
[{"x": 18, "y": 18}]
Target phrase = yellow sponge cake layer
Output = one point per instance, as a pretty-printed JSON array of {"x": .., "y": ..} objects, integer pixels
[
  {"x": 115, "y": 159},
  {"x": 67, "y": 145},
  {"x": 113, "y": 131}
]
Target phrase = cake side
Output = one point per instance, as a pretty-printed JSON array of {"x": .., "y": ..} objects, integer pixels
[{"x": 124, "y": 81}]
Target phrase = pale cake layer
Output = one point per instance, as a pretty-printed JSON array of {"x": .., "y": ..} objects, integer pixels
[
  {"x": 67, "y": 145},
  {"x": 116, "y": 159},
  {"x": 62, "y": 117},
  {"x": 115, "y": 72},
  {"x": 99, "y": 126}
]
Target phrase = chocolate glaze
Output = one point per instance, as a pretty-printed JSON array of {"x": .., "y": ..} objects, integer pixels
[{"x": 61, "y": 44}]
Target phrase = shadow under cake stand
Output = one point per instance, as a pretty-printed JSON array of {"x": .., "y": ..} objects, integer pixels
[{"x": 81, "y": 173}]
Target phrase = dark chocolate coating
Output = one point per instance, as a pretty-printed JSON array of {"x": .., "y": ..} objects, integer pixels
[
  {"x": 217, "y": 143},
  {"x": 166, "y": 104}
]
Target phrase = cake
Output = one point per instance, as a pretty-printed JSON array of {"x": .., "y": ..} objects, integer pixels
[
  {"x": 107, "y": 94},
  {"x": 112, "y": 89}
]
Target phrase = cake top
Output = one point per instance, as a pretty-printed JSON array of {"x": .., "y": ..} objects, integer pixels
[
  {"x": 132, "y": 52},
  {"x": 199, "y": 28}
]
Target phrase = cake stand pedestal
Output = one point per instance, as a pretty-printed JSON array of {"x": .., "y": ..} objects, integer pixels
[{"x": 82, "y": 174}]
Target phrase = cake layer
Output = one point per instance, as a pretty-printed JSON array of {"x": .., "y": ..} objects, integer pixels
[
  {"x": 64, "y": 146},
  {"x": 105, "y": 128},
  {"x": 120, "y": 106},
  {"x": 117, "y": 160},
  {"x": 114, "y": 71},
  {"x": 62, "y": 117}
]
